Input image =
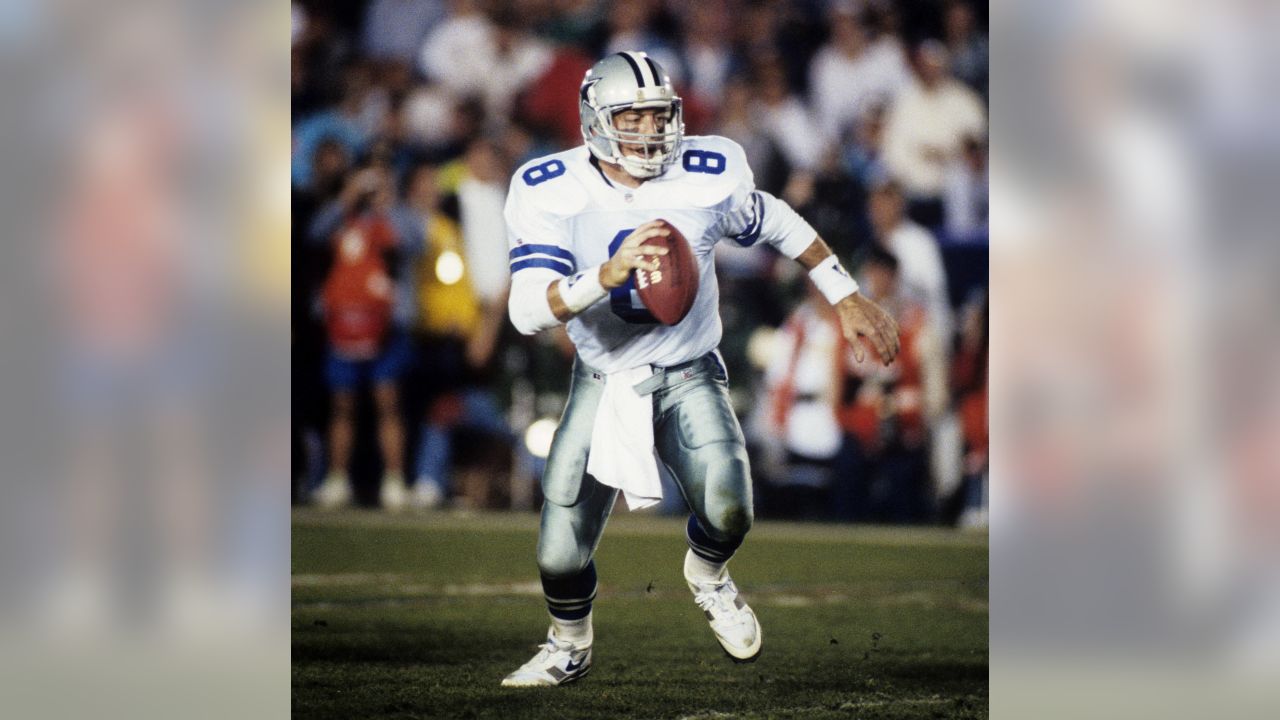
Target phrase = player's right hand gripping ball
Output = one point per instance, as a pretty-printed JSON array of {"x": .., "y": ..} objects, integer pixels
[{"x": 670, "y": 290}]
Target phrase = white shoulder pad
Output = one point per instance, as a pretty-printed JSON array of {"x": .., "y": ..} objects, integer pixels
[
  {"x": 713, "y": 171},
  {"x": 552, "y": 183}
]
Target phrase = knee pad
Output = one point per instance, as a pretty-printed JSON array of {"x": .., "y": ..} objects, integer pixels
[
  {"x": 728, "y": 492},
  {"x": 561, "y": 559}
]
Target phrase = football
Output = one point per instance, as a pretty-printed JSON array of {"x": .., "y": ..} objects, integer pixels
[{"x": 670, "y": 290}]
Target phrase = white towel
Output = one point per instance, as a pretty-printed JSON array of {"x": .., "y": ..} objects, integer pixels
[{"x": 622, "y": 453}]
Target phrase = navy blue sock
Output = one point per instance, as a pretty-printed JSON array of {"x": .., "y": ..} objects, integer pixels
[
  {"x": 570, "y": 598},
  {"x": 706, "y": 547}
]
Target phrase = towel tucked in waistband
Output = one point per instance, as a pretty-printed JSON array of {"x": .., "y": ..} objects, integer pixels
[{"x": 622, "y": 453}]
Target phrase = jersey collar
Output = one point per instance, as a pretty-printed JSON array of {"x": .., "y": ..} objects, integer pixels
[{"x": 595, "y": 163}]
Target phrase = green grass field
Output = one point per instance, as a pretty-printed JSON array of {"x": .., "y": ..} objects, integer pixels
[{"x": 422, "y": 615}]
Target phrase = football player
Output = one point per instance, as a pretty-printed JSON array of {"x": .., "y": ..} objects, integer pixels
[{"x": 577, "y": 223}]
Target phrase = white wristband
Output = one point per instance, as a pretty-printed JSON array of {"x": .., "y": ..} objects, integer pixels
[
  {"x": 582, "y": 290},
  {"x": 832, "y": 280}
]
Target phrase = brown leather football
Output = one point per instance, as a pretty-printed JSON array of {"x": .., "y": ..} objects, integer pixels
[{"x": 670, "y": 290}]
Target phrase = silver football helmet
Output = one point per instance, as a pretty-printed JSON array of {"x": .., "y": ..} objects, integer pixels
[{"x": 630, "y": 81}]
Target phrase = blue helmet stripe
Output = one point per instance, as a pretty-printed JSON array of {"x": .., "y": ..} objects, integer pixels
[
  {"x": 653, "y": 68},
  {"x": 635, "y": 67}
]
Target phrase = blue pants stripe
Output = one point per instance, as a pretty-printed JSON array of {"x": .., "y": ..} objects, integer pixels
[{"x": 570, "y": 598}]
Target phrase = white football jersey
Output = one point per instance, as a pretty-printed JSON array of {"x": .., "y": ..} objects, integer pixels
[{"x": 564, "y": 216}]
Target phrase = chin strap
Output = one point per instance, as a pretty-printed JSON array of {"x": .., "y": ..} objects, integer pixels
[{"x": 638, "y": 170}]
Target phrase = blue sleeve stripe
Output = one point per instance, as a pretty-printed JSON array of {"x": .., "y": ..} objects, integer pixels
[
  {"x": 541, "y": 256},
  {"x": 749, "y": 236},
  {"x": 748, "y": 240},
  {"x": 755, "y": 216},
  {"x": 552, "y": 250},
  {"x": 548, "y": 263}
]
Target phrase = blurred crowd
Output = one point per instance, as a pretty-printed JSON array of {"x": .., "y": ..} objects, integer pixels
[{"x": 869, "y": 117}]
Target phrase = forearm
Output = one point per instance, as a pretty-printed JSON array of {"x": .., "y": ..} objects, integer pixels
[
  {"x": 559, "y": 309},
  {"x": 813, "y": 255},
  {"x": 569, "y": 296},
  {"x": 541, "y": 302},
  {"x": 563, "y": 309}
]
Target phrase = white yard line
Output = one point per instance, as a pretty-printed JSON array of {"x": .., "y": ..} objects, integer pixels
[
  {"x": 622, "y": 523},
  {"x": 396, "y": 581}
]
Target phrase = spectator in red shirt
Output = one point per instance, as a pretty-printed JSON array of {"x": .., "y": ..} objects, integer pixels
[
  {"x": 883, "y": 471},
  {"x": 358, "y": 301}
]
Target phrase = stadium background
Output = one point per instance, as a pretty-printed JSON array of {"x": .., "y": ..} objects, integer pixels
[
  {"x": 442, "y": 100},
  {"x": 420, "y": 110},
  {"x": 1135, "y": 552}
]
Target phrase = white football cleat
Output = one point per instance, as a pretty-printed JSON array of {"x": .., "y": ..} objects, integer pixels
[
  {"x": 334, "y": 493},
  {"x": 731, "y": 619},
  {"x": 556, "y": 663}
]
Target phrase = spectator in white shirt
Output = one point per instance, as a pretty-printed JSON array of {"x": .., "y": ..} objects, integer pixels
[
  {"x": 481, "y": 196},
  {"x": 796, "y": 425},
  {"x": 706, "y": 50},
  {"x": 921, "y": 274},
  {"x": 926, "y": 128},
  {"x": 470, "y": 54},
  {"x": 791, "y": 129},
  {"x": 786, "y": 119},
  {"x": 854, "y": 72}
]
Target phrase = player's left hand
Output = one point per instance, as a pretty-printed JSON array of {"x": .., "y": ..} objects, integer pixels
[{"x": 859, "y": 317}]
